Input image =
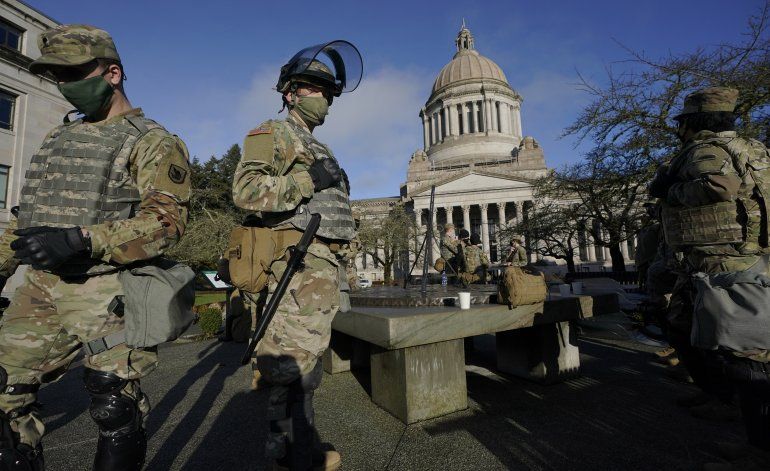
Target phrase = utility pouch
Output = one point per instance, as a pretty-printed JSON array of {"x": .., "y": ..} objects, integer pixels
[
  {"x": 701, "y": 225},
  {"x": 731, "y": 310},
  {"x": 157, "y": 302},
  {"x": 252, "y": 250}
]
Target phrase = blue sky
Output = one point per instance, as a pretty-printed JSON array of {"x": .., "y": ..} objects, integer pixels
[{"x": 205, "y": 69}]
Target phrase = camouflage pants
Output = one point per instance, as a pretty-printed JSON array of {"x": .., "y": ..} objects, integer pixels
[
  {"x": 287, "y": 357},
  {"x": 43, "y": 330}
]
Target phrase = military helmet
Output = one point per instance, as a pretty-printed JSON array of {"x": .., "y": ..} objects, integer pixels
[
  {"x": 712, "y": 99},
  {"x": 335, "y": 66},
  {"x": 448, "y": 226},
  {"x": 463, "y": 234},
  {"x": 317, "y": 73},
  {"x": 475, "y": 239},
  {"x": 73, "y": 45}
]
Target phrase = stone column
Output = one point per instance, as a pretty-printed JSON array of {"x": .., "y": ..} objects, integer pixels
[
  {"x": 624, "y": 249},
  {"x": 590, "y": 248},
  {"x": 517, "y": 121},
  {"x": 519, "y": 211},
  {"x": 501, "y": 214},
  {"x": 467, "y": 218},
  {"x": 484, "y": 228},
  {"x": 425, "y": 132},
  {"x": 504, "y": 118},
  {"x": 450, "y": 113},
  {"x": 495, "y": 122},
  {"x": 448, "y": 212}
]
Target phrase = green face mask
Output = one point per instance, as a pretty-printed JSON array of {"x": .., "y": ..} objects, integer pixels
[
  {"x": 89, "y": 96},
  {"x": 312, "y": 109}
]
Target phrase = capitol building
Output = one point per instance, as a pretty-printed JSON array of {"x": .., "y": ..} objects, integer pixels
[{"x": 475, "y": 154}]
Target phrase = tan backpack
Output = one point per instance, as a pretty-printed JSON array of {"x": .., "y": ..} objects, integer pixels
[{"x": 519, "y": 286}]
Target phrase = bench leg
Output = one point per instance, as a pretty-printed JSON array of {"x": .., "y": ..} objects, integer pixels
[
  {"x": 544, "y": 353},
  {"x": 420, "y": 383},
  {"x": 345, "y": 353}
]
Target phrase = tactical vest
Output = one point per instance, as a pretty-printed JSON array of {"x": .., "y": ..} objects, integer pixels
[
  {"x": 331, "y": 203},
  {"x": 744, "y": 221},
  {"x": 472, "y": 258},
  {"x": 80, "y": 177}
]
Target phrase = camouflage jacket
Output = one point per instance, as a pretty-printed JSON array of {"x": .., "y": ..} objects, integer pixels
[
  {"x": 448, "y": 248},
  {"x": 517, "y": 256},
  {"x": 162, "y": 215},
  {"x": 272, "y": 175},
  {"x": 703, "y": 174}
]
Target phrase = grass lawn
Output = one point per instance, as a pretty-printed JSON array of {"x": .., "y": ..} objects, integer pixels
[{"x": 208, "y": 298}]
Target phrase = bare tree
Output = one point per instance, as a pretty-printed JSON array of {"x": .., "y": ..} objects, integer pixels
[{"x": 388, "y": 240}]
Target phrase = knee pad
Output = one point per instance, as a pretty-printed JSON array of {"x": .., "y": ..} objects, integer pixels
[
  {"x": 114, "y": 413},
  {"x": 122, "y": 442}
]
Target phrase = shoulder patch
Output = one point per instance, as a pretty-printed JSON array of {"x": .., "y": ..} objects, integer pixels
[
  {"x": 261, "y": 130},
  {"x": 177, "y": 174}
]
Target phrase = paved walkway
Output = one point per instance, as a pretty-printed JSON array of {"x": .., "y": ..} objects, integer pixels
[{"x": 618, "y": 416}]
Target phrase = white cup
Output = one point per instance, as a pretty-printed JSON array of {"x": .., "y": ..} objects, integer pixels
[
  {"x": 577, "y": 287},
  {"x": 564, "y": 290},
  {"x": 465, "y": 300}
]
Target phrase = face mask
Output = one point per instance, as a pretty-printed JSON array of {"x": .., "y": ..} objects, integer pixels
[
  {"x": 312, "y": 109},
  {"x": 89, "y": 96}
]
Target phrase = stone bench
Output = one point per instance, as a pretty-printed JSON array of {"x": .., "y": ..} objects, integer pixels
[{"x": 417, "y": 357}]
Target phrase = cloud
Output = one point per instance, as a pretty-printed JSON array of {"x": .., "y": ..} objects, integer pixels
[{"x": 372, "y": 131}]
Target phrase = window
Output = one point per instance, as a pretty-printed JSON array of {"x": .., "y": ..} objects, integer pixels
[
  {"x": 460, "y": 119},
  {"x": 471, "y": 121},
  {"x": 10, "y": 36},
  {"x": 3, "y": 185},
  {"x": 497, "y": 111},
  {"x": 7, "y": 104}
]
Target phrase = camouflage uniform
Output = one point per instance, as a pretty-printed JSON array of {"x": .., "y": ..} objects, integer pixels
[
  {"x": 55, "y": 312},
  {"x": 272, "y": 179},
  {"x": 706, "y": 175},
  {"x": 517, "y": 256}
]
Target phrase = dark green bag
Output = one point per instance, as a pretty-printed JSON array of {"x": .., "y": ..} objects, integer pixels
[
  {"x": 732, "y": 310},
  {"x": 158, "y": 301}
]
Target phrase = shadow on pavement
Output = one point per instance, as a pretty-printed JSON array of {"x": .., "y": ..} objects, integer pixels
[
  {"x": 217, "y": 360},
  {"x": 619, "y": 414}
]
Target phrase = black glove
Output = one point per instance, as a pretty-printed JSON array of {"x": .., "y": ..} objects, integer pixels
[
  {"x": 325, "y": 173},
  {"x": 46, "y": 247},
  {"x": 659, "y": 185},
  {"x": 345, "y": 179}
]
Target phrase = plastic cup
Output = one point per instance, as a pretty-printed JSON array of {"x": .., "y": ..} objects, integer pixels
[
  {"x": 564, "y": 290},
  {"x": 465, "y": 300}
]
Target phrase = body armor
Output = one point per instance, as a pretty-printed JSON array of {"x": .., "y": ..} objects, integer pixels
[
  {"x": 743, "y": 221},
  {"x": 331, "y": 203},
  {"x": 80, "y": 177}
]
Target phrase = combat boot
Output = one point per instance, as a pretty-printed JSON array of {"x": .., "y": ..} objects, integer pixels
[
  {"x": 717, "y": 411},
  {"x": 679, "y": 373}
]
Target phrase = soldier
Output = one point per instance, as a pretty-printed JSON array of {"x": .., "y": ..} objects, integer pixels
[
  {"x": 713, "y": 222},
  {"x": 517, "y": 256},
  {"x": 286, "y": 174},
  {"x": 103, "y": 191},
  {"x": 449, "y": 245}
]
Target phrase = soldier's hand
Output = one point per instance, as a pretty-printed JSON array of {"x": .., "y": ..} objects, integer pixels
[
  {"x": 325, "y": 173},
  {"x": 46, "y": 247}
]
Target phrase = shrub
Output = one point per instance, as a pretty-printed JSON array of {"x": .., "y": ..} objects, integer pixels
[{"x": 210, "y": 320}]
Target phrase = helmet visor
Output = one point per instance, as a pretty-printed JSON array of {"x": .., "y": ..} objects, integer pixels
[{"x": 341, "y": 57}]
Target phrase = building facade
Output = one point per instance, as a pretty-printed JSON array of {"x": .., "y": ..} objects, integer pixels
[
  {"x": 478, "y": 159},
  {"x": 30, "y": 105}
]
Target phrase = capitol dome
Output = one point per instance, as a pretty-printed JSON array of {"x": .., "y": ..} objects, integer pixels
[
  {"x": 472, "y": 112},
  {"x": 468, "y": 65}
]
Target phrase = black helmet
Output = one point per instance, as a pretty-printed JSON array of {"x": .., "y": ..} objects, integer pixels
[
  {"x": 475, "y": 239},
  {"x": 335, "y": 66},
  {"x": 463, "y": 234}
]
